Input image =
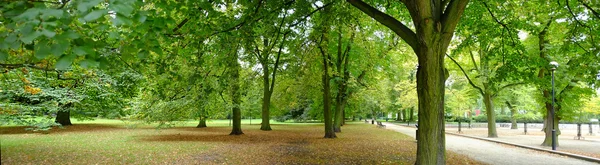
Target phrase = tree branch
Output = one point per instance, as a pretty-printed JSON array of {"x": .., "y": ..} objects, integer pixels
[
  {"x": 590, "y": 8},
  {"x": 467, "y": 76},
  {"x": 451, "y": 16},
  {"x": 398, "y": 27},
  {"x": 506, "y": 86}
]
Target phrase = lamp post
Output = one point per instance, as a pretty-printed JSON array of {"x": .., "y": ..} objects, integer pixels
[{"x": 554, "y": 66}]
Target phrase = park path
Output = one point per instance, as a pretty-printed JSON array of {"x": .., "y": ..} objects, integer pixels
[{"x": 494, "y": 153}]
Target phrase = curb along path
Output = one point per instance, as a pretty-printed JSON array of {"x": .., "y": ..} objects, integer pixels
[{"x": 490, "y": 152}]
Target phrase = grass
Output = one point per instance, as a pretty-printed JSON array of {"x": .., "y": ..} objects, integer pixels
[{"x": 110, "y": 142}]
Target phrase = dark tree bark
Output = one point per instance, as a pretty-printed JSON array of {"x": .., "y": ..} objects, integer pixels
[
  {"x": 63, "y": 117},
  {"x": 434, "y": 22},
  {"x": 202, "y": 123},
  {"x": 342, "y": 86},
  {"x": 235, "y": 94},
  {"x": 329, "y": 132},
  {"x": 411, "y": 114}
]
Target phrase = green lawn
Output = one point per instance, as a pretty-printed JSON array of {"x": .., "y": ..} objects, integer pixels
[{"x": 111, "y": 142}]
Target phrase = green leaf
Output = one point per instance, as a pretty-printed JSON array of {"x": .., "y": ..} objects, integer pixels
[
  {"x": 85, "y": 5},
  {"x": 48, "y": 33},
  {"x": 121, "y": 20},
  {"x": 3, "y": 55},
  {"x": 113, "y": 35},
  {"x": 30, "y": 14},
  {"x": 59, "y": 47},
  {"x": 89, "y": 63},
  {"x": 28, "y": 38},
  {"x": 123, "y": 9},
  {"x": 94, "y": 15},
  {"x": 12, "y": 37},
  {"x": 81, "y": 50},
  {"x": 65, "y": 62},
  {"x": 70, "y": 34},
  {"x": 141, "y": 17},
  {"x": 42, "y": 51},
  {"x": 142, "y": 54},
  {"x": 48, "y": 13}
]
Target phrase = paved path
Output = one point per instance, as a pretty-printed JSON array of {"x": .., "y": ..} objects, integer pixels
[{"x": 494, "y": 153}]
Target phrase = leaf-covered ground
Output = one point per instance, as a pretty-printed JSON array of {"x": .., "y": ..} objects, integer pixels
[{"x": 359, "y": 143}]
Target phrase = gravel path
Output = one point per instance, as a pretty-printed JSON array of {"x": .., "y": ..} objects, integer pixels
[{"x": 494, "y": 153}]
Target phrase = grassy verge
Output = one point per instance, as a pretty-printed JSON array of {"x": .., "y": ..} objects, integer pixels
[{"x": 93, "y": 143}]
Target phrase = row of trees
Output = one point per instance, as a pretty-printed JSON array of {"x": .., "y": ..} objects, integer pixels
[{"x": 165, "y": 61}]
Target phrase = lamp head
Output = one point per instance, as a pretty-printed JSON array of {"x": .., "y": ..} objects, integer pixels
[{"x": 554, "y": 65}]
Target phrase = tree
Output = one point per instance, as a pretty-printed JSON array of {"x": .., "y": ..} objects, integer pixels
[{"x": 434, "y": 23}]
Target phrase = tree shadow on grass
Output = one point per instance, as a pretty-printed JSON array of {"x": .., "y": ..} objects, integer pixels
[{"x": 64, "y": 129}]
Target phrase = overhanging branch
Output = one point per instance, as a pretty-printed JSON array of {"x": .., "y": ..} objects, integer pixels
[
  {"x": 467, "y": 76},
  {"x": 392, "y": 23}
]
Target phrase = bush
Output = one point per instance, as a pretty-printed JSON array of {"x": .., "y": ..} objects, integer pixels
[
  {"x": 481, "y": 119},
  {"x": 503, "y": 119}
]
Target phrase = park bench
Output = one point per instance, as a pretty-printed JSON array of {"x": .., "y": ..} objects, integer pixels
[{"x": 379, "y": 125}]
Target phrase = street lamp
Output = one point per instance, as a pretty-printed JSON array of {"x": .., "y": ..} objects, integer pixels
[{"x": 554, "y": 66}]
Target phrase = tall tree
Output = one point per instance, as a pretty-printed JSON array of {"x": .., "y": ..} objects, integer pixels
[{"x": 434, "y": 23}]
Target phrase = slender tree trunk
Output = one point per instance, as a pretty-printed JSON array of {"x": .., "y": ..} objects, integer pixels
[
  {"x": 411, "y": 114},
  {"x": 337, "y": 122},
  {"x": 235, "y": 95},
  {"x": 202, "y": 123},
  {"x": 513, "y": 112},
  {"x": 266, "y": 125},
  {"x": 63, "y": 117},
  {"x": 344, "y": 113},
  {"x": 329, "y": 132},
  {"x": 491, "y": 116}
]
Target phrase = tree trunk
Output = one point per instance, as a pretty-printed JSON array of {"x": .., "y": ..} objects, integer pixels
[
  {"x": 513, "y": 112},
  {"x": 63, "y": 117},
  {"x": 329, "y": 132},
  {"x": 235, "y": 95},
  {"x": 434, "y": 22},
  {"x": 266, "y": 125},
  {"x": 547, "y": 125},
  {"x": 411, "y": 114},
  {"x": 491, "y": 116},
  {"x": 202, "y": 123},
  {"x": 431, "y": 143},
  {"x": 398, "y": 115},
  {"x": 337, "y": 122}
]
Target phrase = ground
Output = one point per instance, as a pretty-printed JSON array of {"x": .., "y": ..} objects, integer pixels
[{"x": 109, "y": 142}]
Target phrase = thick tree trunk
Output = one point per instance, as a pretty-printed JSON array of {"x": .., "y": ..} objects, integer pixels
[
  {"x": 411, "y": 114},
  {"x": 434, "y": 22},
  {"x": 548, "y": 122},
  {"x": 513, "y": 112},
  {"x": 235, "y": 96},
  {"x": 329, "y": 132},
  {"x": 431, "y": 144},
  {"x": 491, "y": 116},
  {"x": 63, "y": 117},
  {"x": 398, "y": 115},
  {"x": 265, "y": 125},
  {"x": 202, "y": 123},
  {"x": 338, "y": 117}
]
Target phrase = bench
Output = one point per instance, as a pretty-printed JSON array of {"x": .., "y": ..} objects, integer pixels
[{"x": 379, "y": 125}]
